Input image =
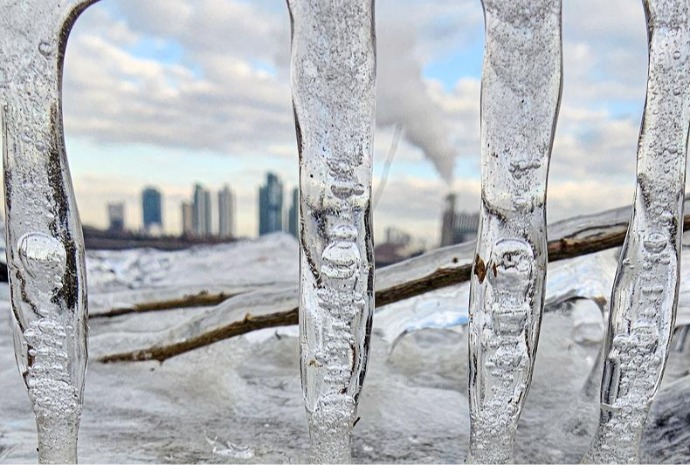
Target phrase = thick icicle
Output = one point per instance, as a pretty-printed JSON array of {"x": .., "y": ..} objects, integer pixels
[
  {"x": 645, "y": 293},
  {"x": 333, "y": 85},
  {"x": 521, "y": 87},
  {"x": 45, "y": 253}
]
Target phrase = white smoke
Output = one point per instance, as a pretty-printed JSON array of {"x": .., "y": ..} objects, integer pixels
[{"x": 403, "y": 98}]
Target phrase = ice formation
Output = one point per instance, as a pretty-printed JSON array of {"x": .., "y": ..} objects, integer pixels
[
  {"x": 645, "y": 292},
  {"x": 333, "y": 83},
  {"x": 45, "y": 253},
  {"x": 521, "y": 88}
]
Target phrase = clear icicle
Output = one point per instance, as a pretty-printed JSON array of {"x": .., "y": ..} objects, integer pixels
[
  {"x": 645, "y": 293},
  {"x": 45, "y": 253},
  {"x": 333, "y": 83},
  {"x": 521, "y": 88}
]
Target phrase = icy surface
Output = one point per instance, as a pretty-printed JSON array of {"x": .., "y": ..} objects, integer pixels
[
  {"x": 43, "y": 234},
  {"x": 646, "y": 287},
  {"x": 521, "y": 87},
  {"x": 414, "y": 408},
  {"x": 125, "y": 278},
  {"x": 333, "y": 89},
  {"x": 589, "y": 277}
]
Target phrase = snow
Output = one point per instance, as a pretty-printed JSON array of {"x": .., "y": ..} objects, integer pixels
[{"x": 240, "y": 400}]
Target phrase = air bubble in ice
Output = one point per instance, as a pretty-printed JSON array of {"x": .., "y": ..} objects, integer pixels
[
  {"x": 344, "y": 232},
  {"x": 43, "y": 257},
  {"x": 655, "y": 242},
  {"x": 344, "y": 190},
  {"x": 340, "y": 260}
]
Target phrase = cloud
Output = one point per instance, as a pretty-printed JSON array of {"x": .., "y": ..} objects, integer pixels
[
  {"x": 115, "y": 95},
  {"x": 255, "y": 30},
  {"x": 410, "y": 34},
  {"x": 614, "y": 35},
  {"x": 420, "y": 214},
  {"x": 221, "y": 89},
  {"x": 581, "y": 197},
  {"x": 225, "y": 90}
]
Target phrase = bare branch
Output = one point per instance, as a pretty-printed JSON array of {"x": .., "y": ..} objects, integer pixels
[
  {"x": 200, "y": 299},
  {"x": 434, "y": 270}
]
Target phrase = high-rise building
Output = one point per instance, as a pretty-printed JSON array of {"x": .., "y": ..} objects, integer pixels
[
  {"x": 226, "y": 212},
  {"x": 271, "y": 205},
  {"x": 151, "y": 203},
  {"x": 293, "y": 214},
  {"x": 208, "y": 216},
  {"x": 201, "y": 211},
  {"x": 116, "y": 217},
  {"x": 187, "y": 222}
]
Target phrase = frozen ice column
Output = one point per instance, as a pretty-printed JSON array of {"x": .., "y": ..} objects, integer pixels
[
  {"x": 521, "y": 88},
  {"x": 333, "y": 88},
  {"x": 645, "y": 292},
  {"x": 45, "y": 252}
]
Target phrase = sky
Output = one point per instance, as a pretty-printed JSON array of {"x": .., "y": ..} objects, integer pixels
[{"x": 175, "y": 92}]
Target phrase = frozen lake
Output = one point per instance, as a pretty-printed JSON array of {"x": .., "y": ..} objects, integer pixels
[{"x": 240, "y": 400}]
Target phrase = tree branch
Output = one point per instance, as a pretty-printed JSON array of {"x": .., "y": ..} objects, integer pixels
[
  {"x": 434, "y": 270},
  {"x": 200, "y": 299}
]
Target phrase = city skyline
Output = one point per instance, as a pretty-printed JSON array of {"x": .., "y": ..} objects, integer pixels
[
  {"x": 200, "y": 217},
  {"x": 223, "y": 106}
]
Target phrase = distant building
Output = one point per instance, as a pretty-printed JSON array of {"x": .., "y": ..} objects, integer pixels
[
  {"x": 209, "y": 216},
  {"x": 398, "y": 237},
  {"x": 457, "y": 227},
  {"x": 187, "y": 222},
  {"x": 293, "y": 214},
  {"x": 116, "y": 217},
  {"x": 271, "y": 205},
  {"x": 448, "y": 222},
  {"x": 226, "y": 213},
  {"x": 467, "y": 226},
  {"x": 397, "y": 247},
  {"x": 201, "y": 212},
  {"x": 151, "y": 203}
]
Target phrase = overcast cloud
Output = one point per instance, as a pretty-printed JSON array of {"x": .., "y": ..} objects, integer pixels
[{"x": 188, "y": 80}]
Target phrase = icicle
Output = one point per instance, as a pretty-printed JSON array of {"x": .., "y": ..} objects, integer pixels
[
  {"x": 645, "y": 293},
  {"x": 45, "y": 252},
  {"x": 521, "y": 87},
  {"x": 333, "y": 82}
]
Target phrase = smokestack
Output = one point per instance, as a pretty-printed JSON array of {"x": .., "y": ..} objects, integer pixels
[{"x": 449, "y": 221}]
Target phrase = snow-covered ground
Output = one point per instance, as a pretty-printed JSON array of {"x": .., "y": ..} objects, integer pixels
[{"x": 240, "y": 400}]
